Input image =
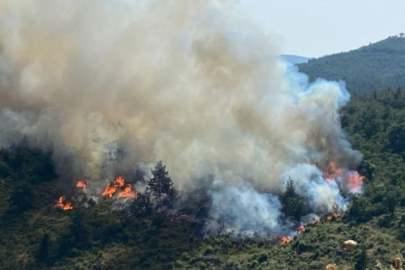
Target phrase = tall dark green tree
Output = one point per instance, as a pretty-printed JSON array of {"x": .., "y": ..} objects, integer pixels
[
  {"x": 160, "y": 184},
  {"x": 293, "y": 205}
]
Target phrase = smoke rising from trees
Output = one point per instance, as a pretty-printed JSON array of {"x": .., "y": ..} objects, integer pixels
[{"x": 108, "y": 86}]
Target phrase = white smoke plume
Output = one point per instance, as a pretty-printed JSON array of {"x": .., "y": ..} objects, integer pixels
[{"x": 109, "y": 86}]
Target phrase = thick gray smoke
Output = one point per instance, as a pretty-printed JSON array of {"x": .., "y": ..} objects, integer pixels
[{"x": 110, "y": 85}]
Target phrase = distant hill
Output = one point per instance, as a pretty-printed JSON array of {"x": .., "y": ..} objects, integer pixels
[
  {"x": 376, "y": 66},
  {"x": 294, "y": 59}
]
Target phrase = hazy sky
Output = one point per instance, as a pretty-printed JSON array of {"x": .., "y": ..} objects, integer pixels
[{"x": 318, "y": 27}]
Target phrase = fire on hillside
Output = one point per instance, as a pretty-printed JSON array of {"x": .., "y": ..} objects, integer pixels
[
  {"x": 63, "y": 204},
  {"x": 118, "y": 188},
  {"x": 198, "y": 91}
]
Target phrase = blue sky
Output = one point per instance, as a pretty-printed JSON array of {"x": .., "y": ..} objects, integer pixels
[{"x": 317, "y": 27}]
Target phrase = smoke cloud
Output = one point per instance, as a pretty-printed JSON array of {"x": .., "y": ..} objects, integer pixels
[{"x": 111, "y": 86}]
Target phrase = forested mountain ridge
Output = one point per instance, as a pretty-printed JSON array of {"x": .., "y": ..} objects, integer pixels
[{"x": 373, "y": 67}]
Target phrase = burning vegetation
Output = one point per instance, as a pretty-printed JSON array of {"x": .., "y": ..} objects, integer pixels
[
  {"x": 352, "y": 179},
  {"x": 112, "y": 188},
  {"x": 64, "y": 204},
  {"x": 119, "y": 187},
  {"x": 335, "y": 213},
  {"x": 246, "y": 152},
  {"x": 355, "y": 181},
  {"x": 301, "y": 229},
  {"x": 160, "y": 189},
  {"x": 286, "y": 239},
  {"x": 128, "y": 192},
  {"x": 333, "y": 172},
  {"x": 81, "y": 184}
]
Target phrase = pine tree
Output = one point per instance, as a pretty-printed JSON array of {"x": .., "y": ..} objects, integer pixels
[
  {"x": 290, "y": 190},
  {"x": 293, "y": 205},
  {"x": 161, "y": 183}
]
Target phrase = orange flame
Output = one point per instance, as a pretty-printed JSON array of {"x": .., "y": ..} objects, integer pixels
[
  {"x": 334, "y": 214},
  {"x": 333, "y": 171},
  {"x": 301, "y": 229},
  {"x": 109, "y": 191},
  {"x": 119, "y": 184},
  {"x": 63, "y": 204},
  {"x": 355, "y": 181},
  {"x": 128, "y": 193},
  {"x": 119, "y": 181},
  {"x": 285, "y": 239},
  {"x": 329, "y": 217},
  {"x": 81, "y": 185}
]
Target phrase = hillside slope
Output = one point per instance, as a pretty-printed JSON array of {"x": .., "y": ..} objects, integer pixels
[
  {"x": 35, "y": 235},
  {"x": 373, "y": 67}
]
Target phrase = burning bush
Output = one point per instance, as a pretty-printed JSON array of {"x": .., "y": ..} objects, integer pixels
[
  {"x": 124, "y": 190},
  {"x": 64, "y": 204}
]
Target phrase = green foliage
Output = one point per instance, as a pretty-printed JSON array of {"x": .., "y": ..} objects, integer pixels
[
  {"x": 142, "y": 206},
  {"x": 373, "y": 67},
  {"x": 43, "y": 251},
  {"x": 396, "y": 138},
  {"x": 22, "y": 197},
  {"x": 361, "y": 209},
  {"x": 161, "y": 183},
  {"x": 28, "y": 165},
  {"x": 293, "y": 205},
  {"x": 35, "y": 235},
  {"x": 254, "y": 264},
  {"x": 208, "y": 250},
  {"x": 263, "y": 257},
  {"x": 361, "y": 262}
]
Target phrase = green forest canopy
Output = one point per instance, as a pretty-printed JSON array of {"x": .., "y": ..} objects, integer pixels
[{"x": 373, "y": 67}]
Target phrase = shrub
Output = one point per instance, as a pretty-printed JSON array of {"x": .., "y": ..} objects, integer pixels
[
  {"x": 185, "y": 256},
  {"x": 263, "y": 257},
  {"x": 208, "y": 250},
  {"x": 254, "y": 264}
]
